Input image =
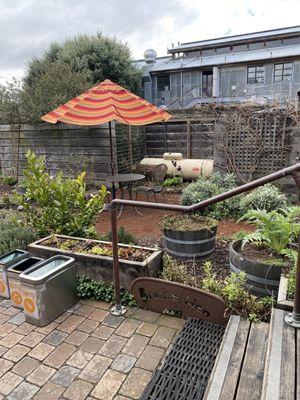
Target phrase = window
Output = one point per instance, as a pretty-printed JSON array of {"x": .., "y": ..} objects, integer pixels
[
  {"x": 163, "y": 83},
  {"x": 283, "y": 72},
  {"x": 256, "y": 74}
]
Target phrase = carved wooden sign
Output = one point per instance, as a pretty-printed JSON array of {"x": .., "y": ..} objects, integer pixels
[{"x": 160, "y": 295}]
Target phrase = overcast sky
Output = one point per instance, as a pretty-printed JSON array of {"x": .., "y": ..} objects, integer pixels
[{"x": 28, "y": 26}]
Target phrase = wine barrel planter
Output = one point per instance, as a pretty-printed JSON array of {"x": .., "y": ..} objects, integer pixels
[
  {"x": 262, "y": 279},
  {"x": 195, "y": 244}
]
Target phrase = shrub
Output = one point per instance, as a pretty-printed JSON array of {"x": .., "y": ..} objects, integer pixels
[
  {"x": 14, "y": 234},
  {"x": 175, "y": 181},
  {"x": 237, "y": 299},
  {"x": 7, "y": 180},
  {"x": 58, "y": 205},
  {"x": 204, "y": 188},
  {"x": 100, "y": 290},
  {"x": 275, "y": 230},
  {"x": 123, "y": 236},
  {"x": 267, "y": 197}
]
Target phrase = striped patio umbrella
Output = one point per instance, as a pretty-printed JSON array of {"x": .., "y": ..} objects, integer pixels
[{"x": 107, "y": 102}]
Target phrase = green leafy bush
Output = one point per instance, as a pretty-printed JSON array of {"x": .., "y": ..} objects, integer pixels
[
  {"x": 275, "y": 230},
  {"x": 204, "y": 188},
  {"x": 100, "y": 290},
  {"x": 58, "y": 205},
  {"x": 123, "y": 236},
  {"x": 14, "y": 234},
  {"x": 233, "y": 291},
  {"x": 7, "y": 180},
  {"x": 175, "y": 181},
  {"x": 267, "y": 197}
]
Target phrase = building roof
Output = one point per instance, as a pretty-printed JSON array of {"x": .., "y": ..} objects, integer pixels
[
  {"x": 244, "y": 38},
  {"x": 168, "y": 64}
]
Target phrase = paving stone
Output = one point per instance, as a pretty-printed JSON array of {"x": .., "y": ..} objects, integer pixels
[
  {"x": 78, "y": 390},
  {"x": 162, "y": 337},
  {"x": 130, "y": 387},
  {"x": 135, "y": 345},
  {"x": 5, "y": 365},
  {"x": 108, "y": 385},
  {"x": 120, "y": 397},
  {"x": 6, "y": 328},
  {"x": 11, "y": 339},
  {"x": 123, "y": 363},
  {"x": 97, "y": 304},
  {"x": 92, "y": 345},
  {"x": 99, "y": 314},
  {"x": 150, "y": 358},
  {"x": 62, "y": 317},
  {"x": 147, "y": 329},
  {"x": 8, "y": 382},
  {"x": 55, "y": 338},
  {"x": 74, "y": 308},
  {"x": 60, "y": 355},
  {"x": 113, "y": 346},
  {"x": 113, "y": 321},
  {"x": 25, "y": 366},
  {"x": 17, "y": 319},
  {"x": 84, "y": 310},
  {"x": 41, "y": 375},
  {"x": 65, "y": 375},
  {"x": 71, "y": 323},
  {"x": 16, "y": 353},
  {"x": 3, "y": 350},
  {"x": 171, "y": 322},
  {"x": 95, "y": 368},
  {"x": 88, "y": 325},
  {"x": 24, "y": 328},
  {"x": 41, "y": 351},
  {"x": 47, "y": 329},
  {"x": 11, "y": 311},
  {"x": 32, "y": 339},
  {"x": 4, "y": 318},
  {"x": 77, "y": 338},
  {"x": 103, "y": 332},
  {"x": 79, "y": 359},
  {"x": 50, "y": 391},
  {"x": 145, "y": 315},
  {"x": 25, "y": 391},
  {"x": 5, "y": 303},
  {"x": 128, "y": 327}
]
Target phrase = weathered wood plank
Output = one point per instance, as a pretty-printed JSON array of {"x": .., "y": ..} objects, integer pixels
[
  {"x": 225, "y": 376},
  {"x": 251, "y": 379},
  {"x": 288, "y": 364}
]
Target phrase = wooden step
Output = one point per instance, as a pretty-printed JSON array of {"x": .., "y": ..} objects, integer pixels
[
  {"x": 282, "y": 363},
  {"x": 239, "y": 368}
]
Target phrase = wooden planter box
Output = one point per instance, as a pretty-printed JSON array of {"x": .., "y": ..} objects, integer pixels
[
  {"x": 100, "y": 267},
  {"x": 283, "y": 301}
]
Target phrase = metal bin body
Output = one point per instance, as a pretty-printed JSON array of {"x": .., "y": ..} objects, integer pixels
[
  {"x": 6, "y": 261},
  {"x": 49, "y": 289},
  {"x": 14, "y": 283}
]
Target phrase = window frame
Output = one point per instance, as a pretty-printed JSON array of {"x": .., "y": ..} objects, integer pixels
[
  {"x": 257, "y": 74},
  {"x": 163, "y": 76},
  {"x": 282, "y": 75}
]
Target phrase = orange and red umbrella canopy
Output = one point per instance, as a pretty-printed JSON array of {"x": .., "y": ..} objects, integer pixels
[{"x": 104, "y": 103}]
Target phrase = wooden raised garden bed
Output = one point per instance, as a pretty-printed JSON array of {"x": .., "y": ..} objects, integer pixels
[
  {"x": 94, "y": 257},
  {"x": 284, "y": 302}
]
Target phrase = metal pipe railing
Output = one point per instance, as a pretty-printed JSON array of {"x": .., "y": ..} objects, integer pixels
[{"x": 293, "y": 171}]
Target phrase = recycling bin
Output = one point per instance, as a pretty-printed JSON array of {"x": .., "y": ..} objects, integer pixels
[
  {"x": 49, "y": 289},
  {"x": 6, "y": 261},
  {"x": 14, "y": 283}
]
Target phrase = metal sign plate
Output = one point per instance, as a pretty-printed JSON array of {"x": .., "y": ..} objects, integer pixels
[{"x": 160, "y": 295}]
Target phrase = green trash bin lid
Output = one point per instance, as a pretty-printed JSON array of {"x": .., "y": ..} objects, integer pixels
[{"x": 44, "y": 270}]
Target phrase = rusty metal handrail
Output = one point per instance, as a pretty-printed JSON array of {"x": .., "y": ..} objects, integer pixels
[{"x": 293, "y": 171}]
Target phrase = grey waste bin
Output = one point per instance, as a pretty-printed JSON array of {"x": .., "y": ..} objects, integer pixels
[
  {"x": 6, "y": 261},
  {"x": 14, "y": 283},
  {"x": 49, "y": 289}
]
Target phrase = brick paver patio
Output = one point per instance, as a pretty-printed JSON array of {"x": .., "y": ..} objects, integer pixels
[{"x": 85, "y": 354}]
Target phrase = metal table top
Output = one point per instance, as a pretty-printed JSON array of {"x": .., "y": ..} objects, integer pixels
[{"x": 124, "y": 177}]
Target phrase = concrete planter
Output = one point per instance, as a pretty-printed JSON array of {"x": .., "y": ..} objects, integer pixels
[
  {"x": 100, "y": 267},
  {"x": 262, "y": 278},
  {"x": 283, "y": 301}
]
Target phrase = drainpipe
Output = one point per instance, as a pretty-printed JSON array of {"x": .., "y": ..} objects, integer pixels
[{"x": 216, "y": 82}]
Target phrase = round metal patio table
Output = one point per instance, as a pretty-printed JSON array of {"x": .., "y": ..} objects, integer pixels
[{"x": 123, "y": 179}]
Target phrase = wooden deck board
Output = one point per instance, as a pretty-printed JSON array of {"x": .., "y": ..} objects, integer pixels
[
  {"x": 288, "y": 362},
  {"x": 251, "y": 379}
]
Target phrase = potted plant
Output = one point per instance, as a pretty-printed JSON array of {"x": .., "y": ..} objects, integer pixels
[
  {"x": 261, "y": 254},
  {"x": 94, "y": 257},
  {"x": 189, "y": 237}
]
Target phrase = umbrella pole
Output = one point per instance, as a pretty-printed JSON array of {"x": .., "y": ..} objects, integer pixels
[{"x": 112, "y": 159}]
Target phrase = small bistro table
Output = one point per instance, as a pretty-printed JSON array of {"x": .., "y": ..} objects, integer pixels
[{"x": 122, "y": 179}]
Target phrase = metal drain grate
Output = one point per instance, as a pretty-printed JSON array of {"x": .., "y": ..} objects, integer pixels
[{"x": 185, "y": 372}]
